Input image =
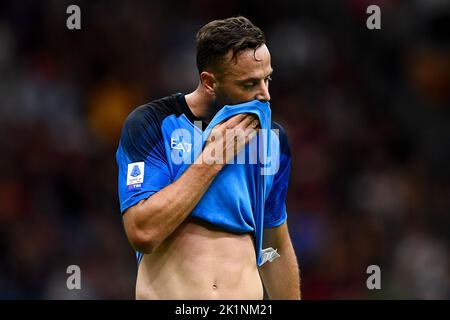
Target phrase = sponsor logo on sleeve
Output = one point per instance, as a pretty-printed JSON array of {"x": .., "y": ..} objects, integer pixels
[{"x": 135, "y": 176}]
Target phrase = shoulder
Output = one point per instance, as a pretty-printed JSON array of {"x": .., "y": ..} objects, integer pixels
[
  {"x": 154, "y": 112},
  {"x": 142, "y": 127},
  {"x": 147, "y": 118},
  {"x": 282, "y": 136}
]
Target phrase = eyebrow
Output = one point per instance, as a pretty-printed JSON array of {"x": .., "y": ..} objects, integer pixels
[{"x": 254, "y": 78}]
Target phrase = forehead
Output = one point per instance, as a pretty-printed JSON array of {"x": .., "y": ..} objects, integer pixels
[{"x": 249, "y": 63}]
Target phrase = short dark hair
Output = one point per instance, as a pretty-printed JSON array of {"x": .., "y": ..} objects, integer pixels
[{"x": 217, "y": 37}]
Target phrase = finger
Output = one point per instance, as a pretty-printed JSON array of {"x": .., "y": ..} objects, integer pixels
[
  {"x": 234, "y": 121},
  {"x": 245, "y": 122},
  {"x": 250, "y": 134},
  {"x": 253, "y": 124},
  {"x": 250, "y": 129},
  {"x": 240, "y": 121},
  {"x": 230, "y": 121}
]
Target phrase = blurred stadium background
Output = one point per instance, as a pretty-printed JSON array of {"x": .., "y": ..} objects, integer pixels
[{"x": 367, "y": 114}]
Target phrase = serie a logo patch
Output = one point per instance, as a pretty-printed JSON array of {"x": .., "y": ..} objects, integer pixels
[{"x": 135, "y": 175}]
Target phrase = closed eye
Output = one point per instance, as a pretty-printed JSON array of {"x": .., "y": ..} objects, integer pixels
[
  {"x": 252, "y": 84},
  {"x": 249, "y": 85}
]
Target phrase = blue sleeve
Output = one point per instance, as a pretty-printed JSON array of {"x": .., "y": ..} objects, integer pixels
[
  {"x": 275, "y": 206},
  {"x": 141, "y": 159}
]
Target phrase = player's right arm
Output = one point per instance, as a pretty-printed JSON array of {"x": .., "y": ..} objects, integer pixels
[{"x": 151, "y": 220}]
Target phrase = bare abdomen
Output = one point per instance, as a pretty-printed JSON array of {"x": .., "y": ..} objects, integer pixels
[{"x": 199, "y": 261}]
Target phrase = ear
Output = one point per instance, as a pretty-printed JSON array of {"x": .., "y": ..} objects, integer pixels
[{"x": 209, "y": 82}]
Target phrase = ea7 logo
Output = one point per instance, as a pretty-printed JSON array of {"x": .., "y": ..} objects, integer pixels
[{"x": 180, "y": 145}]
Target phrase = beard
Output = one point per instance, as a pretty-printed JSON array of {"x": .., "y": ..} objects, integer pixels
[{"x": 222, "y": 98}]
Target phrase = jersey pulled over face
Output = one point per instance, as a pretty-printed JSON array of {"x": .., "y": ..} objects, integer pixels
[
  {"x": 245, "y": 78},
  {"x": 155, "y": 132}
]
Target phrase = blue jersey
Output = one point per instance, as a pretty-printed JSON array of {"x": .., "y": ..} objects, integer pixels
[{"x": 157, "y": 141}]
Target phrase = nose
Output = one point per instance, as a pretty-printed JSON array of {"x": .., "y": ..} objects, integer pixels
[{"x": 263, "y": 94}]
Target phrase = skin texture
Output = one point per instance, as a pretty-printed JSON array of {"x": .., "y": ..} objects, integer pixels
[{"x": 185, "y": 258}]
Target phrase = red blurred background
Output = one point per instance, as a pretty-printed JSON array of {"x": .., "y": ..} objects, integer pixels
[{"x": 366, "y": 112}]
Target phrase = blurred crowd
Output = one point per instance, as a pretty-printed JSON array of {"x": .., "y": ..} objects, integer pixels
[{"x": 367, "y": 113}]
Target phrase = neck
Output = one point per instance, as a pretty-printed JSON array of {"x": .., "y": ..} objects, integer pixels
[{"x": 200, "y": 104}]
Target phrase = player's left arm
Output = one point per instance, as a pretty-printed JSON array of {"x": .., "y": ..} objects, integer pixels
[{"x": 281, "y": 277}]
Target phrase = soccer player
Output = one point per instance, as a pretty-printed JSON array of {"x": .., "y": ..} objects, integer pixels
[{"x": 185, "y": 257}]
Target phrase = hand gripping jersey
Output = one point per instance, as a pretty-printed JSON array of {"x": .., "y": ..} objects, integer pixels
[{"x": 159, "y": 141}]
